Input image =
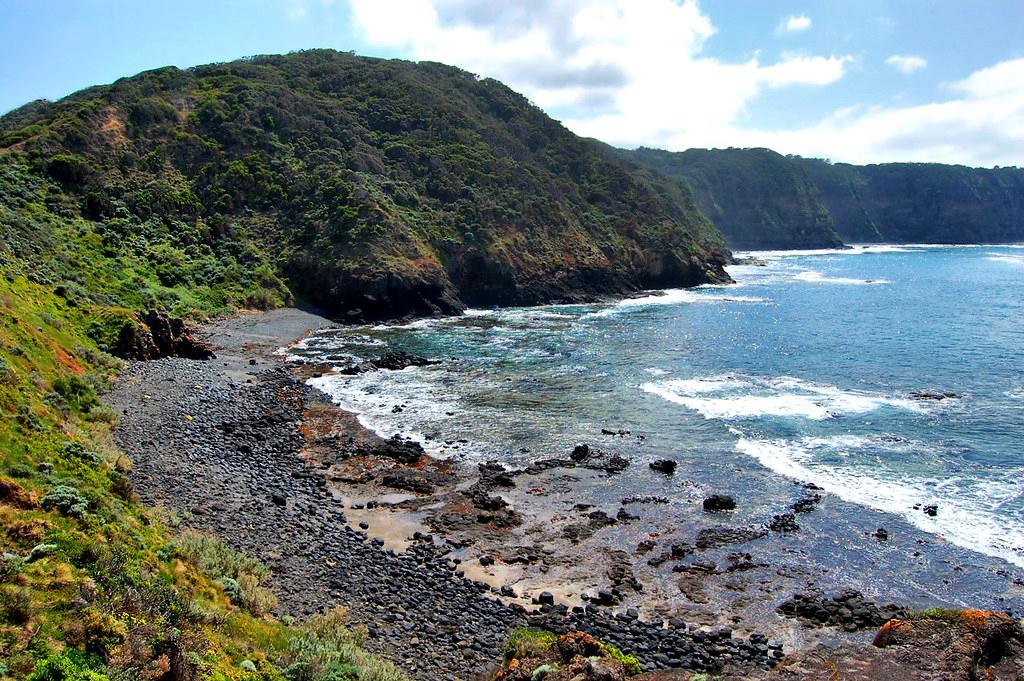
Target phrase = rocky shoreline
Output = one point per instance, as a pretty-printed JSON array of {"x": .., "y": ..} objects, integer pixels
[
  {"x": 217, "y": 444},
  {"x": 423, "y": 551}
]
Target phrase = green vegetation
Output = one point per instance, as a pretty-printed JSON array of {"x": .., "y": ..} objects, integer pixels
[
  {"x": 368, "y": 186},
  {"x": 94, "y": 586},
  {"x": 544, "y": 654},
  {"x": 761, "y": 199},
  {"x": 756, "y": 197},
  {"x": 939, "y": 613},
  {"x": 921, "y": 202},
  {"x": 525, "y": 643},
  {"x": 629, "y": 662}
]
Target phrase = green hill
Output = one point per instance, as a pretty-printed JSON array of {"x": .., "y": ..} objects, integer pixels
[
  {"x": 921, "y": 202},
  {"x": 371, "y": 188},
  {"x": 761, "y": 199},
  {"x": 756, "y": 197}
]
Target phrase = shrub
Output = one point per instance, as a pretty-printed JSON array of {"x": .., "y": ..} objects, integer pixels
[
  {"x": 78, "y": 394},
  {"x": 10, "y": 565},
  {"x": 231, "y": 589},
  {"x": 629, "y": 662},
  {"x": 944, "y": 614},
  {"x": 27, "y": 419},
  {"x": 242, "y": 577},
  {"x": 74, "y": 450},
  {"x": 100, "y": 631},
  {"x": 327, "y": 650},
  {"x": 63, "y": 668},
  {"x": 120, "y": 485},
  {"x": 67, "y": 500},
  {"x": 524, "y": 643},
  {"x": 16, "y": 605}
]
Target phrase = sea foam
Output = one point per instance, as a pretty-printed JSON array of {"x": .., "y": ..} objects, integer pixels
[
  {"x": 968, "y": 513},
  {"x": 814, "y": 277},
  {"x": 732, "y": 397},
  {"x": 700, "y": 295}
]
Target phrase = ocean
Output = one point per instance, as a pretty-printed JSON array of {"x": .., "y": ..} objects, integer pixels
[{"x": 890, "y": 376}]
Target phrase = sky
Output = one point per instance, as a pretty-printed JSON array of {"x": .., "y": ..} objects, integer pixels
[{"x": 859, "y": 81}]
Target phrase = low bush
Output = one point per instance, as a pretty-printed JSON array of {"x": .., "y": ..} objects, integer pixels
[
  {"x": 67, "y": 500},
  {"x": 77, "y": 452},
  {"x": 15, "y": 605},
  {"x": 326, "y": 649},
  {"x": 629, "y": 662},
  {"x": 524, "y": 643},
  {"x": 241, "y": 576},
  {"x": 79, "y": 395},
  {"x": 63, "y": 668}
]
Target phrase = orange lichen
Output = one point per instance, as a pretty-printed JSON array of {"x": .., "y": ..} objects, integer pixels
[
  {"x": 69, "y": 361},
  {"x": 11, "y": 493},
  {"x": 977, "y": 619},
  {"x": 889, "y": 631}
]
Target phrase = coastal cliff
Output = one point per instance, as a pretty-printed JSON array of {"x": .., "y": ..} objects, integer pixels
[
  {"x": 760, "y": 199},
  {"x": 371, "y": 188},
  {"x": 757, "y": 198}
]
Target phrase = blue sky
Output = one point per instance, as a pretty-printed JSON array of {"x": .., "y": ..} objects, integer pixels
[{"x": 854, "y": 80}]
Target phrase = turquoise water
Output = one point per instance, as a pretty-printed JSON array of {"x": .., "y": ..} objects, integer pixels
[{"x": 805, "y": 370}]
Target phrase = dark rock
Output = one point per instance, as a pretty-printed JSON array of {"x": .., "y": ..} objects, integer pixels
[
  {"x": 807, "y": 503},
  {"x": 714, "y": 537},
  {"x": 411, "y": 480},
  {"x": 155, "y": 335},
  {"x": 931, "y": 510},
  {"x": 391, "y": 361},
  {"x": 783, "y": 522},
  {"x": 929, "y": 395},
  {"x": 400, "y": 450},
  {"x": 666, "y": 466},
  {"x": 719, "y": 502}
]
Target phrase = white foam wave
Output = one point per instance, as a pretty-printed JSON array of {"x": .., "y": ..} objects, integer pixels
[
  {"x": 372, "y": 397},
  {"x": 731, "y": 397},
  {"x": 814, "y": 277},
  {"x": 854, "y": 249},
  {"x": 1007, "y": 258},
  {"x": 968, "y": 508},
  {"x": 675, "y": 297}
]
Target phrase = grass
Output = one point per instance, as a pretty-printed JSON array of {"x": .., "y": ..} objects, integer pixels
[
  {"x": 93, "y": 585},
  {"x": 524, "y": 643}
]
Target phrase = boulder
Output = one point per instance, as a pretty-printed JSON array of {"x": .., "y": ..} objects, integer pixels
[
  {"x": 719, "y": 502},
  {"x": 666, "y": 466}
]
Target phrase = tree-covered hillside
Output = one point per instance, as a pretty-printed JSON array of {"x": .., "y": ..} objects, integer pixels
[
  {"x": 921, "y": 202},
  {"x": 372, "y": 188},
  {"x": 761, "y": 199},
  {"x": 756, "y": 197}
]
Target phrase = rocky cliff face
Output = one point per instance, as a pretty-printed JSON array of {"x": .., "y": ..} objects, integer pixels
[
  {"x": 921, "y": 202},
  {"x": 763, "y": 200},
  {"x": 371, "y": 188},
  {"x": 756, "y": 197}
]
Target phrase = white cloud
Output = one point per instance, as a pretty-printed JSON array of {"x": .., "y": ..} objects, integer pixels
[
  {"x": 296, "y": 10},
  {"x": 625, "y": 71},
  {"x": 633, "y": 72},
  {"x": 795, "y": 24},
  {"x": 983, "y": 126},
  {"x": 907, "y": 63}
]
